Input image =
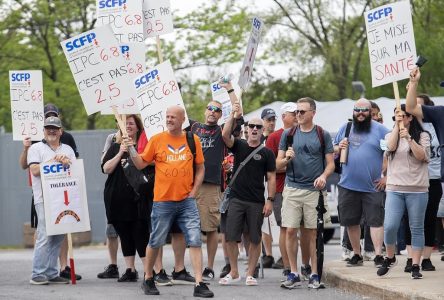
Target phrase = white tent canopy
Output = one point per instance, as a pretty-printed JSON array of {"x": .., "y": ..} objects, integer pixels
[{"x": 332, "y": 115}]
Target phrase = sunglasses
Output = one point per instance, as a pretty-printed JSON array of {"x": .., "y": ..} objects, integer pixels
[
  {"x": 255, "y": 125},
  {"x": 302, "y": 112},
  {"x": 214, "y": 108},
  {"x": 361, "y": 109}
]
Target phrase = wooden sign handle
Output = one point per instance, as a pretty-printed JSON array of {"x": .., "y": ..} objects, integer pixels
[
  {"x": 398, "y": 101},
  {"x": 120, "y": 122},
  {"x": 159, "y": 49},
  {"x": 71, "y": 259}
]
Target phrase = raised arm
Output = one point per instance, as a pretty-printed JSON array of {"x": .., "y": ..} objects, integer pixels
[
  {"x": 23, "y": 159},
  {"x": 412, "y": 107}
]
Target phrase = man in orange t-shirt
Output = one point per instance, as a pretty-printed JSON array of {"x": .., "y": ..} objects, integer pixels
[{"x": 175, "y": 191}]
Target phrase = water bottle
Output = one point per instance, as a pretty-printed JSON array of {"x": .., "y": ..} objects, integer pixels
[{"x": 226, "y": 78}]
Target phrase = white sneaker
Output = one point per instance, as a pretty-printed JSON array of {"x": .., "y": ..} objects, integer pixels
[
  {"x": 368, "y": 256},
  {"x": 346, "y": 254}
]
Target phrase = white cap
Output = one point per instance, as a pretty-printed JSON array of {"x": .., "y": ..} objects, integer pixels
[{"x": 289, "y": 107}]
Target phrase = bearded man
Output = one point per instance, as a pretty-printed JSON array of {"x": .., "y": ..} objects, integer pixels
[{"x": 361, "y": 186}]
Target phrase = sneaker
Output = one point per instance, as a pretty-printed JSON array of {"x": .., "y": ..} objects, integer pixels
[
  {"x": 267, "y": 261},
  {"x": 162, "y": 279},
  {"x": 415, "y": 272},
  {"x": 39, "y": 280},
  {"x": 182, "y": 277},
  {"x": 368, "y": 255},
  {"x": 387, "y": 265},
  {"x": 208, "y": 274},
  {"x": 355, "y": 261},
  {"x": 58, "y": 280},
  {"x": 66, "y": 273},
  {"x": 408, "y": 266},
  {"x": 305, "y": 272},
  {"x": 129, "y": 276},
  {"x": 293, "y": 281},
  {"x": 346, "y": 254},
  {"x": 149, "y": 287},
  {"x": 426, "y": 265},
  {"x": 225, "y": 270},
  {"x": 111, "y": 271},
  {"x": 285, "y": 274},
  {"x": 313, "y": 282},
  {"x": 201, "y": 290},
  {"x": 279, "y": 264},
  {"x": 378, "y": 260}
]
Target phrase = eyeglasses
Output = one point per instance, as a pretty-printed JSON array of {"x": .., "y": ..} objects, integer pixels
[
  {"x": 361, "y": 109},
  {"x": 302, "y": 112},
  {"x": 255, "y": 125},
  {"x": 214, "y": 108}
]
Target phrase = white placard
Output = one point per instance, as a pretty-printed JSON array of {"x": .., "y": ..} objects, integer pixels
[
  {"x": 64, "y": 194},
  {"x": 253, "y": 43},
  {"x": 220, "y": 94},
  {"x": 391, "y": 42},
  {"x": 157, "y": 90},
  {"x": 125, "y": 18},
  {"x": 99, "y": 69},
  {"x": 134, "y": 54},
  {"x": 157, "y": 18},
  {"x": 26, "y": 91}
]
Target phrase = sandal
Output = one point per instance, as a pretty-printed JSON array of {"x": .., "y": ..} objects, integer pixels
[
  {"x": 228, "y": 280},
  {"x": 250, "y": 281}
]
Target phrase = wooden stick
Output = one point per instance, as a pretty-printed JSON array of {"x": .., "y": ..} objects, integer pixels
[
  {"x": 159, "y": 49},
  {"x": 398, "y": 101},
  {"x": 71, "y": 259},
  {"x": 120, "y": 122}
]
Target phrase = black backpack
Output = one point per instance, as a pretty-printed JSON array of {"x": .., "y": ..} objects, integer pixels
[{"x": 192, "y": 144}]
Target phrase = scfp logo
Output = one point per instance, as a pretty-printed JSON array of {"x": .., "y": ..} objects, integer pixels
[
  {"x": 54, "y": 169},
  {"x": 256, "y": 23},
  {"x": 216, "y": 87},
  {"x": 80, "y": 42},
  {"x": 111, "y": 3},
  {"x": 124, "y": 49},
  {"x": 379, "y": 14},
  {"x": 20, "y": 76},
  {"x": 146, "y": 78}
]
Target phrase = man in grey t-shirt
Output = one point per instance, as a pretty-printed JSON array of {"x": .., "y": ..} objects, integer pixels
[{"x": 308, "y": 166}]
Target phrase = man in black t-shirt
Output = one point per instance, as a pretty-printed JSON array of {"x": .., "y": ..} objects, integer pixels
[{"x": 247, "y": 204}]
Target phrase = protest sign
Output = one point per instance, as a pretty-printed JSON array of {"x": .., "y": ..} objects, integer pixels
[
  {"x": 64, "y": 194},
  {"x": 99, "y": 69},
  {"x": 247, "y": 66},
  {"x": 157, "y": 90},
  {"x": 157, "y": 18},
  {"x": 220, "y": 94},
  {"x": 124, "y": 17},
  {"x": 391, "y": 42},
  {"x": 26, "y": 91},
  {"x": 134, "y": 55}
]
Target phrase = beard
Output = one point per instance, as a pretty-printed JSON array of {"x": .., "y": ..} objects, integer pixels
[{"x": 362, "y": 126}]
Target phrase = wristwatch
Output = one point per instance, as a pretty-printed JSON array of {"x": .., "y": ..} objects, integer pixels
[{"x": 270, "y": 199}]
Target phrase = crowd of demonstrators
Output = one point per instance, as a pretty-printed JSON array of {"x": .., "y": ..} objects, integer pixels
[
  {"x": 361, "y": 186},
  {"x": 247, "y": 205},
  {"x": 308, "y": 158},
  {"x": 408, "y": 149},
  {"x": 434, "y": 197},
  {"x": 288, "y": 115},
  {"x": 179, "y": 175},
  {"x": 46, "y": 248}
]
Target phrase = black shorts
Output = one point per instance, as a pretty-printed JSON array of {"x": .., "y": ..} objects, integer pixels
[
  {"x": 353, "y": 205},
  {"x": 243, "y": 215}
]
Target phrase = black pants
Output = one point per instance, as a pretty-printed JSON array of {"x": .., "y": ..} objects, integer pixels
[
  {"x": 435, "y": 193},
  {"x": 134, "y": 235}
]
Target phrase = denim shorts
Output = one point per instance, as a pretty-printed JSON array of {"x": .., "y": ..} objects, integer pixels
[{"x": 184, "y": 213}]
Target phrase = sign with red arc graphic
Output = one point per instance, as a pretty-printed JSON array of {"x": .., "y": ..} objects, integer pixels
[{"x": 64, "y": 194}]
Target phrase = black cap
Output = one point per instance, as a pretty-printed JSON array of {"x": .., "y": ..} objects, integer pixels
[
  {"x": 51, "y": 108},
  {"x": 268, "y": 113}
]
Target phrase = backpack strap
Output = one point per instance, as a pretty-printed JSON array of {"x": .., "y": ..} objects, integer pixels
[{"x": 320, "y": 133}]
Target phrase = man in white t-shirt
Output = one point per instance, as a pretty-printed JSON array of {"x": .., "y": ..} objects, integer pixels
[{"x": 47, "y": 248}]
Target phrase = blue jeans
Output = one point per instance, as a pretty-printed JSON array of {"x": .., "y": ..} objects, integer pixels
[
  {"x": 46, "y": 249},
  {"x": 186, "y": 216},
  {"x": 395, "y": 205}
]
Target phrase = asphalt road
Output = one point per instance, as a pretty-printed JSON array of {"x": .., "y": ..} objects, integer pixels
[{"x": 15, "y": 266}]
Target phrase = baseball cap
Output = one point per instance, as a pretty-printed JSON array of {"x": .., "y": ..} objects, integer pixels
[
  {"x": 289, "y": 107},
  {"x": 52, "y": 121},
  {"x": 268, "y": 113},
  {"x": 51, "y": 108}
]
